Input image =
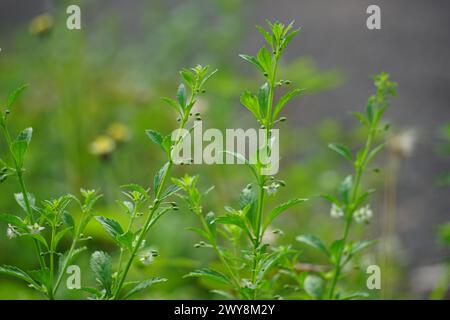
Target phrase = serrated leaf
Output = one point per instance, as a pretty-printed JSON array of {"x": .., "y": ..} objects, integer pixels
[
  {"x": 143, "y": 285},
  {"x": 111, "y": 226},
  {"x": 313, "y": 241},
  {"x": 211, "y": 274},
  {"x": 101, "y": 266},
  {"x": 285, "y": 99},
  {"x": 314, "y": 286},
  {"x": 18, "y": 273},
  {"x": 280, "y": 209}
]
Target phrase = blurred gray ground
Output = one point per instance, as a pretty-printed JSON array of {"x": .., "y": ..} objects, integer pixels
[{"x": 413, "y": 45}]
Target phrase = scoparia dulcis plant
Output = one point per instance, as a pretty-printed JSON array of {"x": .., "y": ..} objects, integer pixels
[
  {"x": 245, "y": 257},
  {"x": 141, "y": 205},
  {"x": 45, "y": 225},
  {"x": 351, "y": 204}
]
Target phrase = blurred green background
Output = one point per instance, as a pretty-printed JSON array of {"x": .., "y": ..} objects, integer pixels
[{"x": 102, "y": 85}]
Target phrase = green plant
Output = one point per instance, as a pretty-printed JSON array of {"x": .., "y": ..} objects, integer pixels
[
  {"x": 45, "y": 225},
  {"x": 238, "y": 236},
  {"x": 131, "y": 240},
  {"x": 351, "y": 203}
]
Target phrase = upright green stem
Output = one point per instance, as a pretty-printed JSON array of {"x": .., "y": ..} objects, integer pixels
[
  {"x": 261, "y": 178},
  {"x": 360, "y": 167},
  {"x": 122, "y": 275},
  {"x": 29, "y": 210}
]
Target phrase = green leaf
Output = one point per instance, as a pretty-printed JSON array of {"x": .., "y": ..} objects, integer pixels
[
  {"x": 143, "y": 285},
  {"x": 361, "y": 245},
  {"x": 188, "y": 77},
  {"x": 356, "y": 295},
  {"x": 137, "y": 188},
  {"x": 21, "y": 200},
  {"x": 361, "y": 118},
  {"x": 280, "y": 209},
  {"x": 18, "y": 273},
  {"x": 332, "y": 199},
  {"x": 14, "y": 220},
  {"x": 111, "y": 226},
  {"x": 374, "y": 152},
  {"x": 68, "y": 219},
  {"x": 156, "y": 137},
  {"x": 181, "y": 96},
  {"x": 15, "y": 94},
  {"x": 211, "y": 274},
  {"x": 101, "y": 267},
  {"x": 210, "y": 219},
  {"x": 285, "y": 99},
  {"x": 314, "y": 286},
  {"x": 58, "y": 237},
  {"x": 268, "y": 262},
  {"x": 342, "y": 150},
  {"x": 265, "y": 60},
  {"x": 157, "y": 180},
  {"x": 125, "y": 240},
  {"x": 335, "y": 248},
  {"x": 313, "y": 241},
  {"x": 345, "y": 189},
  {"x": 207, "y": 78},
  {"x": 173, "y": 104},
  {"x": 253, "y": 61},
  {"x": 250, "y": 101},
  {"x": 20, "y": 145},
  {"x": 41, "y": 276},
  {"x": 263, "y": 99}
]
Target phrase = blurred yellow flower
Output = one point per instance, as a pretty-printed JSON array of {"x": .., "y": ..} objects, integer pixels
[
  {"x": 102, "y": 146},
  {"x": 119, "y": 132},
  {"x": 41, "y": 24}
]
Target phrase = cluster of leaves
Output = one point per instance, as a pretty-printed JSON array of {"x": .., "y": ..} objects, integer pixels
[
  {"x": 247, "y": 262},
  {"x": 46, "y": 224}
]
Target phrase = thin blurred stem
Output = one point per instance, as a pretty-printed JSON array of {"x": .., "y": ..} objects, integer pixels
[{"x": 359, "y": 168}]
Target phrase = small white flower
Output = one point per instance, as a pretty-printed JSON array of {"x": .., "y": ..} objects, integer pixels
[
  {"x": 363, "y": 215},
  {"x": 35, "y": 228},
  {"x": 336, "y": 212},
  {"x": 148, "y": 257},
  {"x": 11, "y": 232},
  {"x": 272, "y": 188}
]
